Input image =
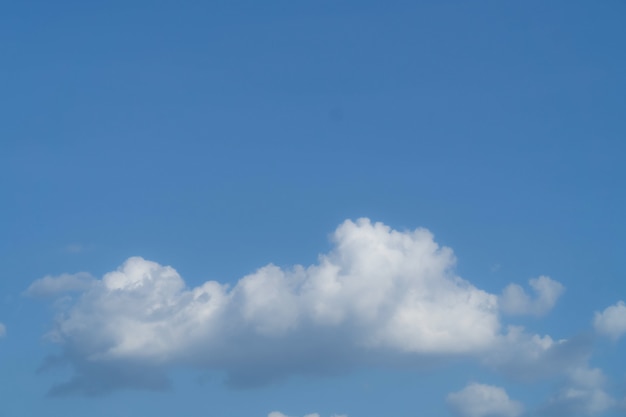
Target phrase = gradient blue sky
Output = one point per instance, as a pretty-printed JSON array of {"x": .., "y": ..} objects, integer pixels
[{"x": 219, "y": 136}]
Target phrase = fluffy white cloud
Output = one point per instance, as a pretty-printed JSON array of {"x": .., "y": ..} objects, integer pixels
[
  {"x": 50, "y": 286},
  {"x": 515, "y": 301},
  {"x": 480, "y": 400},
  {"x": 612, "y": 321},
  {"x": 379, "y": 297}
]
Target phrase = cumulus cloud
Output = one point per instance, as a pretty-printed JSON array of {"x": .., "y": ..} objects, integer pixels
[
  {"x": 480, "y": 400},
  {"x": 515, "y": 301},
  {"x": 612, "y": 321},
  {"x": 52, "y": 286},
  {"x": 380, "y": 296},
  {"x": 583, "y": 395}
]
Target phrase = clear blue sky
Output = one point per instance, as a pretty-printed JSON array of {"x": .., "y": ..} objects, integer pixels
[{"x": 218, "y": 137}]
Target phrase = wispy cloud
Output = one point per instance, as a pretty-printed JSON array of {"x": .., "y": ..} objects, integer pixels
[
  {"x": 74, "y": 248},
  {"x": 583, "y": 394},
  {"x": 515, "y": 301},
  {"x": 279, "y": 414},
  {"x": 52, "y": 286}
]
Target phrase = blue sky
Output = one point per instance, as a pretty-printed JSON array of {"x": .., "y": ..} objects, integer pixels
[{"x": 363, "y": 209}]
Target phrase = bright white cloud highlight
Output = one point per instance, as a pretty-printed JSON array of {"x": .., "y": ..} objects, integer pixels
[
  {"x": 380, "y": 295},
  {"x": 612, "y": 321},
  {"x": 515, "y": 301},
  {"x": 393, "y": 290},
  {"x": 50, "y": 286},
  {"x": 480, "y": 400}
]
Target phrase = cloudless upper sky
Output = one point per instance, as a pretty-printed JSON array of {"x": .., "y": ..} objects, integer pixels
[{"x": 220, "y": 136}]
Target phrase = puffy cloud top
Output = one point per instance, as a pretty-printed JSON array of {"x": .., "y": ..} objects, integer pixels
[
  {"x": 378, "y": 295},
  {"x": 393, "y": 290},
  {"x": 480, "y": 400},
  {"x": 612, "y": 321}
]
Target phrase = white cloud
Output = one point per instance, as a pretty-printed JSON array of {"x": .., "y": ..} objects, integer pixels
[
  {"x": 612, "y": 321},
  {"x": 515, "y": 301},
  {"x": 380, "y": 295},
  {"x": 529, "y": 357},
  {"x": 3, "y": 330},
  {"x": 480, "y": 400},
  {"x": 584, "y": 394},
  {"x": 50, "y": 286}
]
